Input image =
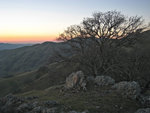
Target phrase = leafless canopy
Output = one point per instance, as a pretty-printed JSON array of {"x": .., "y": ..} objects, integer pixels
[
  {"x": 111, "y": 24},
  {"x": 93, "y": 40}
]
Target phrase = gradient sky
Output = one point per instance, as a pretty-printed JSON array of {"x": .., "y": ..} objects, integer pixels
[{"x": 24, "y": 21}]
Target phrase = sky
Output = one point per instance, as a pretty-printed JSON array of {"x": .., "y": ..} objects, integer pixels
[{"x": 34, "y": 21}]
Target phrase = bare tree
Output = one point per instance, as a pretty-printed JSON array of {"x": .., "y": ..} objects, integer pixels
[{"x": 98, "y": 40}]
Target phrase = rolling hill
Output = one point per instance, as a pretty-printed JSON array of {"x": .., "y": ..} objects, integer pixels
[
  {"x": 27, "y": 58},
  {"x": 39, "y": 79}
]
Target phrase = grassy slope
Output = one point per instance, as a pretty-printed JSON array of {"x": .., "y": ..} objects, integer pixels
[
  {"x": 25, "y": 59},
  {"x": 14, "y": 84},
  {"x": 95, "y": 99},
  {"x": 33, "y": 80},
  {"x": 56, "y": 75}
]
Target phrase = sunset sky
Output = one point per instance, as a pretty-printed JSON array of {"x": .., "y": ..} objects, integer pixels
[{"x": 32, "y": 21}]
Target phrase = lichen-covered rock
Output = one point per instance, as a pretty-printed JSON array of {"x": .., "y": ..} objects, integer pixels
[
  {"x": 38, "y": 109},
  {"x": 128, "y": 89},
  {"x": 73, "y": 112},
  {"x": 78, "y": 112},
  {"x": 104, "y": 80},
  {"x": 76, "y": 80},
  {"x": 144, "y": 110},
  {"x": 15, "y": 104},
  {"x": 90, "y": 79},
  {"x": 145, "y": 100},
  {"x": 24, "y": 108},
  {"x": 9, "y": 103},
  {"x": 50, "y": 103}
]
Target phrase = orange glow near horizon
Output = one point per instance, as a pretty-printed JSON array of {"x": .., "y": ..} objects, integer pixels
[
  {"x": 32, "y": 21},
  {"x": 32, "y": 39},
  {"x": 27, "y": 39},
  {"x": 29, "y": 26}
]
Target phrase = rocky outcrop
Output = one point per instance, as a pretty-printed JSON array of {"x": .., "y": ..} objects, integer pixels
[
  {"x": 104, "y": 80},
  {"x": 147, "y": 101},
  {"x": 9, "y": 103},
  {"x": 76, "y": 80},
  {"x": 128, "y": 89},
  {"x": 14, "y": 104},
  {"x": 78, "y": 112},
  {"x": 144, "y": 100},
  {"x": 144, "y": 110}
]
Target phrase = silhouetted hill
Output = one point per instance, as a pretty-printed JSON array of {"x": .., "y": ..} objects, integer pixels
[
  {"x": 4, "y": 46},
  {"x": 27, "y": 58}
]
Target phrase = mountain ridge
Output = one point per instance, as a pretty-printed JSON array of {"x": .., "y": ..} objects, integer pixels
[{"x": 8, "y": 46}]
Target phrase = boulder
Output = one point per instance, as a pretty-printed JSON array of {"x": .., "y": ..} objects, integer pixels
[
  {"x": 73, "y": 112},
  {"x": 128, "y": 89},
  {"x": 104, "y": 80},
  {"x": 35, "y": 104},
  {"x": 76, "y": 80},
  {"x": 38, "y": 109},
  {"x": 49, "y": 110},
  {"x": 9, "y": 103},
  {"x": 24, "y": 108},
  {"x": 90, "y": 79},
  {"x": 145, "y": 100},
  {"x": 15, "y": 104},
  {"x": 31, "y": 97},
  {"x": 78, "y": 112},
  {"x": 144, "y": 110},
  {"x": 50, "y": 103}
]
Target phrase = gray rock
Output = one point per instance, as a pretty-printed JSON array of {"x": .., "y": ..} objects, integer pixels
[
  {"x": 73, "y": 112},
  {"x": 145, "y": 100},
  {"x": 78, "y": 112},
  {"x": 15, "y": 104},
  {"x": 104, "y": 80},
  {"x": 50, "y": 110},
  {"x": 9, "y": 103},
  {"x": 38, "y": 109},
  {"x": 90, "y": 79},
  {"x": 31, "y": 97},
  {"x": 23, "y": 108},
  {"x": 128, "y": 89},
  {"x": 144, "y": 110},
  {"x": 50, "y": 103},
  {"x": 35, "y": 104},
  {"x": 76, "y": 80}
]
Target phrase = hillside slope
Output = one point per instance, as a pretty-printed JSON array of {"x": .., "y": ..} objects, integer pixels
[
  {"x": 27, "y": 58},
  {"x": 42, "y": 78}
]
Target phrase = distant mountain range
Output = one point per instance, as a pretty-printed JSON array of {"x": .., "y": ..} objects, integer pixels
[{"x": 4, "y": 46}]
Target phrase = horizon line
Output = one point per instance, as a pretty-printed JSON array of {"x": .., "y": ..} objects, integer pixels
[{"x": 27, "y": 42}]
